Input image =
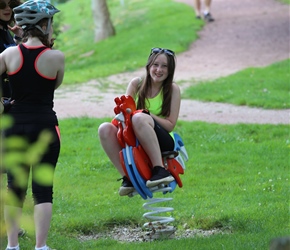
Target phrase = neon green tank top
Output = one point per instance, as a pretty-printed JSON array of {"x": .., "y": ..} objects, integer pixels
[{"x": 154, "y": 105}]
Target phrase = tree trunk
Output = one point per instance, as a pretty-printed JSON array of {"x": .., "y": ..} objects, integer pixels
[{"x": 103, "y": 25}]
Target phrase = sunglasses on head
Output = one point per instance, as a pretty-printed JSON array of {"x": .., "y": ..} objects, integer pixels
[
  {"x": 158, "y": 50},
  {"x": 11, "y": 4}
]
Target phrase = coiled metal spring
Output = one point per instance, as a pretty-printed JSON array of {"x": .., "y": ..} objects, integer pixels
[{"x": 157, "y": 226}]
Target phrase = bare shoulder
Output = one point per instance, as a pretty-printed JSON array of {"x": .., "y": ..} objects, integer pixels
[
  {"x": 10, "y": 55},
  {"x": 56, "y": 54},
  {"x": 133, "y": 86},
  {"x": 10, "y": 51},
  {"x": 53, "y": 57},
  {"x": 175, "y": 87},
  {"x": 135, "y": 81}
]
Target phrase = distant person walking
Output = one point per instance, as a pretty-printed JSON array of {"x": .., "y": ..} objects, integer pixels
[{"x": 206, "y": 13}]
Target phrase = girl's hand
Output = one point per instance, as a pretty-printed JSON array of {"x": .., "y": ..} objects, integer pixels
[
  {"x": 6, "y": 104},
  {"x": 16, "y": 30}
]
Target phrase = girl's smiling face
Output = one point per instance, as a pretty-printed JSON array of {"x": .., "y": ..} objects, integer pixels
[
  {"x": 5, "y": 14},
  {"x": 159, "y": 69}
]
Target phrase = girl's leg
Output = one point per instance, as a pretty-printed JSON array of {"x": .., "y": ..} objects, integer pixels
[
  {"x": 207, "y": 6},
  {"x": 197, "y": 7},
  {"x": 207, "y": 14},
  {"x": 108, "y": 137},
  {"x": 17, "y": 183},
  {"x": 17, "y": 186},
  {"x": 12, "y": 217},
  {"x": 42, "y": 218},
  {"x": 143, "y": 126},
  {"x": 42, "y": 188}
]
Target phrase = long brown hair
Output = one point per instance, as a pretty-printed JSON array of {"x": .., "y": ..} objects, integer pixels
[{"x": 146, "y": 84}]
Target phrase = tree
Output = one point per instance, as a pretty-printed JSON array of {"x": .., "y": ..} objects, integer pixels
[{"x": 103, "y": 25}]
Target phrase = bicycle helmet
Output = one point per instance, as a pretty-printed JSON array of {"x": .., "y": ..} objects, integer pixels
[{"x": 31, "y": 12}]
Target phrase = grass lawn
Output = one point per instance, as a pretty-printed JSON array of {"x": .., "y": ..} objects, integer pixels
[
  {"x": 267, "y": 87},
  {"x": 237, "y": 179}
]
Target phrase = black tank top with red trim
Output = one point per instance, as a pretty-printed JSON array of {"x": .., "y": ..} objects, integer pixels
[{"x": 33, "y": 93}]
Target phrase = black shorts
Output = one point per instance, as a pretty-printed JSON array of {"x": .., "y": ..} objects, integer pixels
[
  {"x": 42, "y": 192},
  {"x": 165, "y": 140}
]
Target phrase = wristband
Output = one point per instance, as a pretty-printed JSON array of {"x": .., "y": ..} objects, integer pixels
[
  {"x": 17, "y": 38},
  {"x": 6, "y": 102}
]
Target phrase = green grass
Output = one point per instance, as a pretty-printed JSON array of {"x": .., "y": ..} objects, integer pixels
[
  {"x": 237, "y": 179},
  {"x": 284, "y": 1},
  {"x": 267, "y": 87},
  {"x": 140, "y": 25}
]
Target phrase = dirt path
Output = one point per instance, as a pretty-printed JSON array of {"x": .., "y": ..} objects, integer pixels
[{"x": 245, "y": 34}]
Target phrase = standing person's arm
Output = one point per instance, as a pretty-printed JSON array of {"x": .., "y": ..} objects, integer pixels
[
  {"x": 59, "y": 61},
  {"x": 2, "y": 64},
  {"x": 60, "y": 72},
  {"x": 5, "y": 103}
]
